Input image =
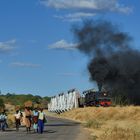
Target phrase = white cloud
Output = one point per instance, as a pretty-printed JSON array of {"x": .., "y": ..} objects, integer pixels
[
  {"x": 8, "y": 46},
  {"x": 21, "y": 64},
  {"x": 75, "y": 16},
  {"x": 98, "y": 5},
  {"x": 62, "y": 44}
]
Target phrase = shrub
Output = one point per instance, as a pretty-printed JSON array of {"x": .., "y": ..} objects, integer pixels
[{"x": 2, "y": 106}]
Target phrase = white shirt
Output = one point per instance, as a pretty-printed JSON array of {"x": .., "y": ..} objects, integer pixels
[
  {"x": 17, "y": 115},
  {"x": 41, "y": 115}
]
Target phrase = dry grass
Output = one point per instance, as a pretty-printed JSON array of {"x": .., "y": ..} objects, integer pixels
[
  {"x": 10, "y": 113},
  {"x": 110, "y": 113},
  {"x": 11, "y": 120},
  {"x": 117, "y": 133},
  {"x": 112, "y": 123}
]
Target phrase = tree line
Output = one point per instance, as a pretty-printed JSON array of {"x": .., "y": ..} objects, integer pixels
[{"x": 20, "y": 99}]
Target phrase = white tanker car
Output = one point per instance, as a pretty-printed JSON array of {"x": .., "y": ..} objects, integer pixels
[{"x": 64, "y": 101}]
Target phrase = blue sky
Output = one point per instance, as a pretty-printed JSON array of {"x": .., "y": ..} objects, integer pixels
[{"x": 37, "y": 48}]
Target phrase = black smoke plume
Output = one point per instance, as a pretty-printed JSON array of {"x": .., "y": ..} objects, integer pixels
[{"x": 114, "y": 63}]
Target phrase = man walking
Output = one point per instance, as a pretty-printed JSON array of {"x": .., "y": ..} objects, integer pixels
[{"x": 41, "y": 120}]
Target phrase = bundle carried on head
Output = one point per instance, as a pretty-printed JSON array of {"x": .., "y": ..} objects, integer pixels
[
  {"x": 17, "y": 107},
  {"x": 36, "y": 106},
  {"x": 28, "y": 104},
  {"x": 1, "y": 109}
]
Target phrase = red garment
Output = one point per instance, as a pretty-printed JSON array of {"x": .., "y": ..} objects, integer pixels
[{"x": 35, "y": 119}]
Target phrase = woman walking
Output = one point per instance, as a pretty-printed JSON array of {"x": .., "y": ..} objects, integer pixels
[{"x": 28, "y": 115}]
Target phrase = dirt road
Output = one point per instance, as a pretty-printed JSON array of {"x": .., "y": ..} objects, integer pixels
[{"x": 55, "y": 129}]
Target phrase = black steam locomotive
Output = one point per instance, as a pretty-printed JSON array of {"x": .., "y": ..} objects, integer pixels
[{"x": 96, "y": 98}]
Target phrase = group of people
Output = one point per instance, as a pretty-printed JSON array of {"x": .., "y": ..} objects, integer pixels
[{"x": 31, "y": 118}]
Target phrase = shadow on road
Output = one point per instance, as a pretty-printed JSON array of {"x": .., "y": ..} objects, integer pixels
[
  {"x": 24, "y": 131},
  {"x": 49, "y": 131},
  {"x": 63, "y": 124}
]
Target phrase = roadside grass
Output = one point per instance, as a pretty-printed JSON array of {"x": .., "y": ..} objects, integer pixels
[
  {"x": 111, "y": 123},
  {"x": 10, "y": 110},
  {"x": 93, "y": 124},
  {"x": 117, "y": 133},
  {"x": 11, "y": 120}
]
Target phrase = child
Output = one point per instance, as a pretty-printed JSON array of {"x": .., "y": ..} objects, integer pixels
[{"x": 35, "y": 120}]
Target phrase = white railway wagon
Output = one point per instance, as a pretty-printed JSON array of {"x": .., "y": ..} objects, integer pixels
[{"x": 64, "y": 101}]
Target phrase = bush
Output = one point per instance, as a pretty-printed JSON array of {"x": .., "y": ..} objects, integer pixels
[{"x": 2, "y": 106}]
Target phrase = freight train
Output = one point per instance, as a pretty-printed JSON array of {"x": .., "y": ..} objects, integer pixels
[
  {"x": 96, "y": 98},
  {"x": 73, "y": 99}
]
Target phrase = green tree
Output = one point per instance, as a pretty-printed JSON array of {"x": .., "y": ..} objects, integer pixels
[{"x": 1, "y": 104}]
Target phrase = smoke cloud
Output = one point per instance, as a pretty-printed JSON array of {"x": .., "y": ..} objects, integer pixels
[{"x": 113, "y": 62}]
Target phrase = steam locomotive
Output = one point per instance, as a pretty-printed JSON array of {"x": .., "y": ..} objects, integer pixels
[{"x": 96, "y": 98}]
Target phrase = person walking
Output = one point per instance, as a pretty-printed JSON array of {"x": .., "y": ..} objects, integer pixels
[
  {"x": 17, "y": 116},
  {"x": 41, "y": 121},
  {"x": 28, "y": 115},
  {"x": 35, "y": 119},
  {"x": 3, "y": 123}
]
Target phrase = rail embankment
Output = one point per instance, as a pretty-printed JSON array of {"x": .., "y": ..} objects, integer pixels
[{"x": 108, "y": 123}]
